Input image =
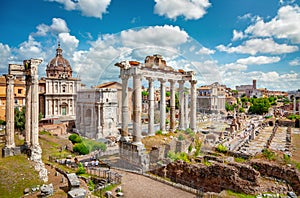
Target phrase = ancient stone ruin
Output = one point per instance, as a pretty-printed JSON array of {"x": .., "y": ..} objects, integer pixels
[
  {"x": 29, "y": 69},
  {"x": 154, "y": 68}
]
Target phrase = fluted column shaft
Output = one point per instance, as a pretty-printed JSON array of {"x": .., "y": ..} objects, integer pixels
[
  {"x": 28, "y": 112},
  {"x": 181, "y": 105},
  {"x": 186, "y": 109},
  {"x": 137, "y": 106},
  {"x": 172, "y": 105},
  {"x": 162, "y": 105},
  {"x": 34, "y": 105},
  {"x": 193, "y": 105},
  {"x": 151, "y": 107},
  {"x": 125, "y": 114},
  {"x": 10, "y": 119}
]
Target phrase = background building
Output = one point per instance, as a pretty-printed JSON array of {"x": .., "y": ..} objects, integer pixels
[
  {"x": 59, "y": 89},
  {"x": 211, "y": 98},
  {"x": 19, "y": 94},
  {"x": 97, "y": 113}
]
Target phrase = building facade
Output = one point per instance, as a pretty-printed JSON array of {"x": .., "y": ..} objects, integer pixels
[
  {"x": 97, "y": 113},
  {"x": 19, "y": 95},
  {"x": 211, "y": 98},
  {"x": 60, "y": 89}
]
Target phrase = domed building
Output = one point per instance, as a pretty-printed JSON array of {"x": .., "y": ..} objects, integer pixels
[{"x": 60, "y": 88}]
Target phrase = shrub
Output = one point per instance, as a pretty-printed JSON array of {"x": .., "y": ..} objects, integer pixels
[
  {"x": 221, "y": 148},
  {"x": 80, "y": 169},
  {"x": 74, "y": 138},
  {"x": 99, "y": 146},
  {"x": 159, "y": 132},
  {"x": 239, "y": 159},
  {"x": 91, "y": 185},
  {"x": 268, "y": 154},
  {"x": 81, "y": 148},
  {"x": 2, "y": 122},
  {"x": 190, "y": 148},
  {"x": 198, "y": 145},
  {"x": 180, "y": 137},
  {"x": 178, "y": 156},
  {"x": 286, "y": 158},
  {"x": 206, "y": 162}
]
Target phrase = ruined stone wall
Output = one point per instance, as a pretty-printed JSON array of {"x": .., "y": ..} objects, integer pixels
[
  {"x": 291, "y": 175},
  {"x": 213, "y": 178}
]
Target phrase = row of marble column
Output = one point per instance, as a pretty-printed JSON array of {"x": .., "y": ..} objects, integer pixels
[
  {"x": 137, "y": 104},
  {"x": 32, "y": 109}
]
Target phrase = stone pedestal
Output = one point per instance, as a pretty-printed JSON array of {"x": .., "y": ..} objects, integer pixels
[{"x": 6, "y": 151}]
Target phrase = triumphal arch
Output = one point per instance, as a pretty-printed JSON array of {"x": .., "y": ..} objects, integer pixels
[{"x": 153, "y": 69}]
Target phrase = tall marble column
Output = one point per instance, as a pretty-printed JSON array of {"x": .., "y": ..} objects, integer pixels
[
  {"x": 172, "y": 105},
  {"x": 193, "y": 105},
  {"x": 125, "y": 114},
  {"x": 10, "y": 119},
  {"x": 28, "y": 112},
  {"x": 137, "y": 107},
  {"x": 186, "y": 109},
  {"x": 34, "y": 102},
  {"x": 181, "y": 104},
  {"x": 294, "y": 105},
  {"x": 162, "y": 105},
  {"x": 151, "y": 108}
]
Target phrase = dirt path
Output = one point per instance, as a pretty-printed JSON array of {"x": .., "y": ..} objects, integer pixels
[{"x": 134, "y": 185}]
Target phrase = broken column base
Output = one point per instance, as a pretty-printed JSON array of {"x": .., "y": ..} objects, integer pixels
[
  {"x": 11, "y": 151},
  {"x": 36, "y": 156},
  {"x": 134, "y": 154}
]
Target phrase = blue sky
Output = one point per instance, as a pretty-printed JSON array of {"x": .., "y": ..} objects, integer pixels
[{"x": 229, "y": 41}]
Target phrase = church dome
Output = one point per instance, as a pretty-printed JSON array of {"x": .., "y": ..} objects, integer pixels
[{"x": 59, "y": 67}]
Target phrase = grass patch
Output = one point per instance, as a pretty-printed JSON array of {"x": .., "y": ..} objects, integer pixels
[
  {"x": 17, "y": 173},
  {"x": 240, "y": 195},
  {"x": 239, "y": 159}
]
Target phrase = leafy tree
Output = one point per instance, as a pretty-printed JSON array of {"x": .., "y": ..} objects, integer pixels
[
  {"x": 2, "y": 122},
  {"x": 259, "y": 106},
  {"x": 81, "y": 148},
  {"x": 80, "y": 169},
  {"x": 74, "y": 138},
  {"x": 168, "y": 93},
  {"x": 145, "y": 93},
  {"x": 20, "y": 119}
]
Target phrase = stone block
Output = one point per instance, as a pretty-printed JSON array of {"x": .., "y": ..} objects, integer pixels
[
  {"x": 73, "y": 181},
  {"x": 11, "y": 151},
  {"x": 77, "y": 193}
]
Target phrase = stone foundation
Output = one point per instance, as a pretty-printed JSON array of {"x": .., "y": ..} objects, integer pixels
[
  {"x": 134, "y": 154},
  {"x": 11, "y": 151}
]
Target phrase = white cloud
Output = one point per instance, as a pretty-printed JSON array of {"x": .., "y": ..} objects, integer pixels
[
  {"x": 29, "y": 49},
  {"x": 255, "y": 46},
  {"x": 295, "y": 62},
  {"x": 189, "y": 9},
  {"x": 258, "y": 60},
  {"x": 154, "y": 36},
  {"x": 58, "y": 26},
  {"x": 206, "y": 51},
  {"x": 233, "y": 67},
  {"x": 5, "y": 56},
  {"x": 237, "y": 35},
  {"x": 284, "y": 26},
  {"x": 69, "y": 43},
  {"x": 90, "y": 8}
]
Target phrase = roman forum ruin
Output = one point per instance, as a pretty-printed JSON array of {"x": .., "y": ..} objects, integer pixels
[
  {"x": 29, "y": 69},
  {"x": 155, "y": 68}
]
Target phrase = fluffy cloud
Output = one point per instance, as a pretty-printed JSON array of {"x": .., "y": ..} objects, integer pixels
[
  {"x": 295, "y": 62},
  {"x": 189, "y": 9},
  {"x": 206, "y": 51},
  {"x": 154, "y": 36},
  {"x": 69, "y": 42},
  {"x": 58, "y": 26},
  {"x": 270, "y": 80},
  {"x": 90, "y": 8},
  {"x": 29, "y": 49},
  {"x": 237, "y": 35},
  {"x": 284, "y": 26},
  {"x": 258, "y": 60},
  {"x": 255, "y": 46},
  {"x": 5, "y": 56}
]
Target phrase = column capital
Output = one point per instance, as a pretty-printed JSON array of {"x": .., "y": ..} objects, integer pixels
[
  {"x": 10, "y": 78},
  {"x": 150, "y": 79},
  {"x": 172, "y": 82},
  {"x": 181, "y": 82},
  {"x": 162, "y": 80},
  {"x": 193, "y": 82}
]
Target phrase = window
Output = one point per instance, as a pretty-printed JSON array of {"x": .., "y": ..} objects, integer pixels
[
  {"x": 16, "y": 101},
  {"x": 19, "y": 91},
  {"x": 64, "y": 89}
]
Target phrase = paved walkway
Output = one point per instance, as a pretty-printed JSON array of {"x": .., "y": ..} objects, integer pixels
[{"x": 134, "y": 185}]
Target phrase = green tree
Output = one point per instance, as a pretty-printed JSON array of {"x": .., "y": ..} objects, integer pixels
[
  {"x": 20, "y": 119},
  {"x": 145, "y": 93},
  {"x": 259, "y": 106},
  {"x": 168, "y": 93}
]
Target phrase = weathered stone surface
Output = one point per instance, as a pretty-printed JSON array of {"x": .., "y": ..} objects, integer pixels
[
  {"x": 73, "y": 181},
  {"x": 77, "y": 193},
  {"x": 212, "y": 178},
  {"x": 291, "y": 175},
  {"x": 26, "y": 191},
  {"x": 46, "y": 190}
]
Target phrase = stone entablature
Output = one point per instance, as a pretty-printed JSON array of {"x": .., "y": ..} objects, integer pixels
[{"x": 97, "y": 113}]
